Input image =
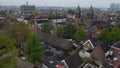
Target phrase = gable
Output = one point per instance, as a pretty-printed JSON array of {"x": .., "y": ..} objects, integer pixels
[{"x": 88, "y": 44}]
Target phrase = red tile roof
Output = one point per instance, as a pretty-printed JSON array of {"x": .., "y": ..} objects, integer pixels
[
  {"x": 97, "y": 32},
  {"x": 60, "y": 66},
  {"x": 117, "y": 63}
]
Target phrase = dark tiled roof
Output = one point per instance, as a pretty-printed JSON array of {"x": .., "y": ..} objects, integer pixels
[
  {"x": 51, "y": 62},
  {"x": 94, "y": 41},
  {"x": 117, "y": 44},
  {"x": 109, "y": 66},
  {"x": 105, "y": 46},
  {"x": 56, "y": 41},
  {"x": 73, "y": 61}
]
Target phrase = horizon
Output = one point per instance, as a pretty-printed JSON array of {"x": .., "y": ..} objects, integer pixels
[{"x": 61, "y": 3}]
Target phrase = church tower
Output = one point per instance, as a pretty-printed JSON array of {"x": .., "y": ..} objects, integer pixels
[
  {"x": 91, "y": 11},
  {"x": 89, "y": 17},
  {"x": 77, "y": 16}
]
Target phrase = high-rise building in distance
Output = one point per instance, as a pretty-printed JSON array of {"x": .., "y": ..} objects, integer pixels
[
  {"x": 114, "y": 7},
  {"x": 27, "y": 9}
]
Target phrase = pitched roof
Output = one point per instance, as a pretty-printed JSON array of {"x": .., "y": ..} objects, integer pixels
[
  {"x": 97, "y": 32},
  {"x": 117, "y": 63},
  {"x": 105, "y": 46},
  {"x": 52, "y": 63},
  {"x": 89, "y": 41},
  {"x": 93, "y": 41},
  {"x": 73, "y": 61},
  {"x": 55, "y": 41},
  {"x": 117, "y": 44}
]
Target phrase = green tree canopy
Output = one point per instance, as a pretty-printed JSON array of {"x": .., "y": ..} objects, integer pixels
[
  {"x": 114, "y": 35},
  {"x": 12, "y": 15},
  {"x": 55, "y": 15},
  {"x": 87, "y": 60},
  {"x": 60, "y": 31},
  {"x": 8, "y": 53},
  {"x": 45, "y": 28},
  {"x": 103, "y": 35},
  {"x": 117, "y": 24},
  {"x": 2, "y": 12},
  {"x": 111, "y": 36},
  {"x": 34, "y": 49},
  {"x": 80, "y": 34},
  {"x": 69, "y": 30},
  {"x": 17, "y": 31},
  {"x": 71, "y": 11},
  {"x": 118, "y": 18},
  {"x": 35, "y": 13}
]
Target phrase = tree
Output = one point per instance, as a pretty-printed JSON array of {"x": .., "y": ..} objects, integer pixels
[
  {"x": 114, "y": 35},
  {"x": 12, "y": 15},
  {"x": 69, "y": 30},
  {"x": 118, "y": 18},
  {"x": 35, "y": 13},
  {"x": 17, "y": 31},
  {"x": 111, "y": 36},
  {"x": 117, "y": 24},
  {"x": 8, "y": 53},
  {"x": 87, "y": 60},
  {"x": 71, "y": 11},
  {"x": 60, "y": 31},
  {"x": 2, "y": 12},
  {"x": 80, "y": 34},
  {"x": 103, "y": 35},
  {"x": 45, "y": 28},
  {"x": 34, "y": 49},
  {"x": 54, "y": 15}
]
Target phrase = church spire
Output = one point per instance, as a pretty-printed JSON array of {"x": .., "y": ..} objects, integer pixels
[
  {"x": 91, "y": 12},
  {"x": 78, "y": 12}
]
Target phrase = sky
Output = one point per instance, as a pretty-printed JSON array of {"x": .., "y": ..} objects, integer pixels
[{"x": 61, "y": 3}]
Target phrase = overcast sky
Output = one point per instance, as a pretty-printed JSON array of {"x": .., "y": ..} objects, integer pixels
[{"x": 61, "y": 3}]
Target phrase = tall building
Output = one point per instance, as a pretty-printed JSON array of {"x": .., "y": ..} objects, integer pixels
[
  {"x": 27, "y": 9},
  {"x": 84, "y": 20},
  {"x": 114, "y": 7},
  {"x": 77, "y": 16}
]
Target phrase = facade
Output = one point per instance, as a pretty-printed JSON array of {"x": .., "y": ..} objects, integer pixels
[
  {"x": 27, "y": 9},
  {"x": 77, "y": 17},
  {"x": 84, "y": 19}
]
